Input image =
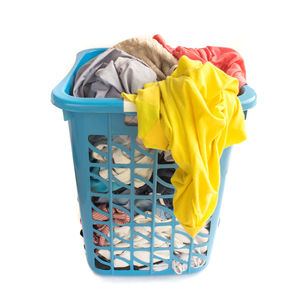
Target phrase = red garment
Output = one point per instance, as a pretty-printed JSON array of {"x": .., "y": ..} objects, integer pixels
[
  {"x": 119, "y": 217},
  {"x": 226, "y": 59}
]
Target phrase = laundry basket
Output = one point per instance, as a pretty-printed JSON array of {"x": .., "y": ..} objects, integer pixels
[{"x": 131, "y": 240}]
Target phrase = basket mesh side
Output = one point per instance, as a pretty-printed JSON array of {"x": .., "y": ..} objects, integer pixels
[{"x": 127, "y": 184}]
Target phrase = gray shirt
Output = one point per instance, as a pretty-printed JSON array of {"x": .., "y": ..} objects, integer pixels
[{"x": 111, "y": 73}]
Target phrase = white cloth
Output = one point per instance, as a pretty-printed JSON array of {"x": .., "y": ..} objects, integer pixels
[
  {"x": 179, "y": 267},
  {"x": 165, "y": 231},
  {"x": 121, "y": 157}
]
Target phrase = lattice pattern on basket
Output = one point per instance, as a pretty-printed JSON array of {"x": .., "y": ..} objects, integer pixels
[{"x": 127, "y": 184}]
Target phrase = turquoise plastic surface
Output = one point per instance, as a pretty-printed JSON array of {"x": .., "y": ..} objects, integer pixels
[{"x": 105, "y": 116}]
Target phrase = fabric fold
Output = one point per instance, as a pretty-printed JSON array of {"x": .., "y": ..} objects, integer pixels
[
  {"x": 152, "y": 53},
  {"x": 195, "y": 113},
  {"x": 111, "y": 73},
  {"x": 226, "y": 59}
]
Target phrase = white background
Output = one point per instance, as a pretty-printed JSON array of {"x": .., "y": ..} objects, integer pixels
[{"x": 256, "y": 251}]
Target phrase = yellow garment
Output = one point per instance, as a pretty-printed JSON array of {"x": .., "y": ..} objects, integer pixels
[{"x": 195, "y": 113}]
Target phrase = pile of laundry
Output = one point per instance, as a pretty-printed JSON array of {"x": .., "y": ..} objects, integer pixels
[
  {"x": 142, "y": 243},
  {"x": 187, "y": 108}
]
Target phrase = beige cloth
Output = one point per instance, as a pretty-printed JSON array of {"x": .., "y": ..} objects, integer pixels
[{"x": 152, "y": 53}]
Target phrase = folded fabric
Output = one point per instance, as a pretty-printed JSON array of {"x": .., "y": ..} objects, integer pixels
[
  {"x": 120, "y": 153},
  {"x": 111, "y": 73},
  {"x": 119, "y": 217},
  {"x": 167, "y": 156},
  {"x": 124, "y": 174},
  {"x": 163, "y": 175},
  {"x": 180, "y": 240},
  {"x": 195, "y": 113},
  {"x": 179, "y": 267},
  {"x": 158, "y": 266},
  {"x": 162, "y": 239},
  {"x": 152, "y": 53},
  {"x": 140, "y": 204},
  {"x": 226, "y": 59},
  {"x": 98, "y": 186}
]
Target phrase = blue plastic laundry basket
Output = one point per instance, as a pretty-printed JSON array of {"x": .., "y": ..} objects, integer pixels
[{"x": 88, "y": 117}]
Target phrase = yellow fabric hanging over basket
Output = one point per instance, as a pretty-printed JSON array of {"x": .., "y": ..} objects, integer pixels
[{"x": 196, "y": 114}]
